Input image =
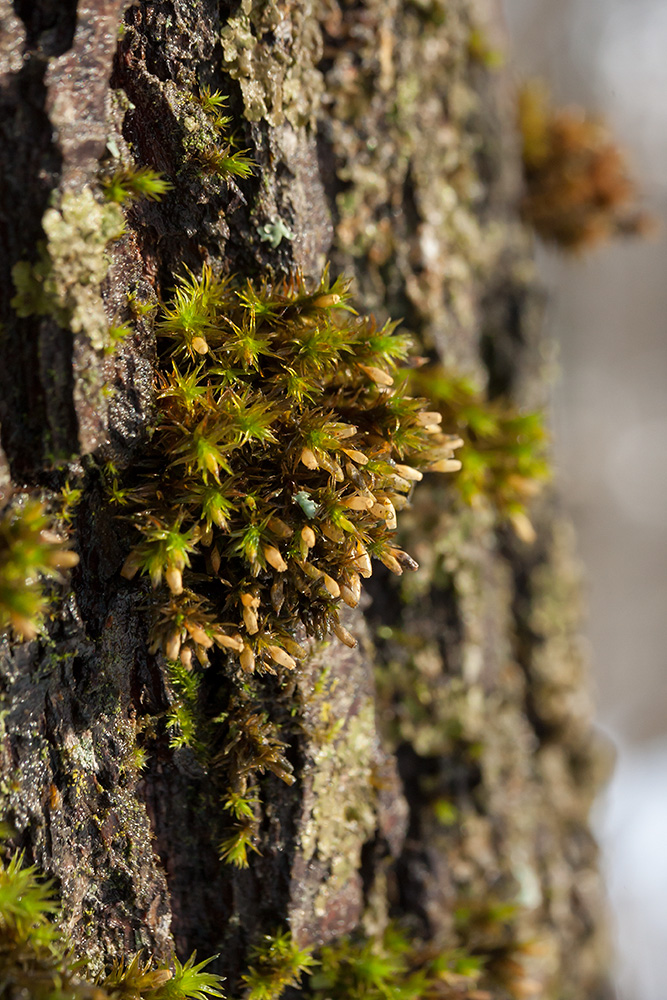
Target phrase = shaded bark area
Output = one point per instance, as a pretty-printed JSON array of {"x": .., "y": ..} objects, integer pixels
[{"x": 453, "y": 794}]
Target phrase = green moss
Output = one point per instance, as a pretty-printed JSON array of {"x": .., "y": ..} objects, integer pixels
[
  {"x": 277, "y": 963},
  {"x": 30, "y": 552},
  {"x": 208, "y": 152},
  {"x": 394, "y": 967},
  {"x": 129, "y": 184},
  {"x": 36, "y": 961},
  {"x": 504, "y": 449}
]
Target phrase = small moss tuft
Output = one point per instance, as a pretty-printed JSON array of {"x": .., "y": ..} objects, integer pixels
[
  {"x": 30, "y": 551},
  {"x": 578, "y": 188},
  {"x": 277, "y": 963},
  {"x": 131, "y": 183},
  {"x": 504, "y": 450}
]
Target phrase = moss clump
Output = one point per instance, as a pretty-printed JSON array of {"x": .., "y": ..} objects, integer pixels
[
  {"x": 277, "y": 963},
  {"x": 29, "y": 552},
  {"x": 392, "y": 967},
  {"x": 504, "y": 452},
  {"x": 578, "y": 189},
  {"x": 36, "y": 961},
  {"x": 282, "y": 453}
]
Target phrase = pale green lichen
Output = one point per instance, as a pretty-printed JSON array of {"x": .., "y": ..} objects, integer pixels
[
  {"x": 278, "y": 77},
  {"x": 274, "y": 233},
  {"x": 407, "y": 78},
  {"x": 340, "y": 802},
  {"x": 558, "y": 663},
  {"x": 65, "y": 280}
]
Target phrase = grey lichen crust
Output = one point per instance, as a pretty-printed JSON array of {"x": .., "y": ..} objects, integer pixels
[
  {"x": 347, "y": 783},
  {"x": 75, "y": 795},
  {"x": 404, "y": 115}
]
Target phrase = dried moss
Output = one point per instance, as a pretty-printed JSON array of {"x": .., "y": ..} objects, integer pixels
[{"x": 579, "y": 191}]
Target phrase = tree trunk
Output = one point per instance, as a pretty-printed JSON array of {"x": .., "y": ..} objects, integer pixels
[{"x": 453, "y": 790}]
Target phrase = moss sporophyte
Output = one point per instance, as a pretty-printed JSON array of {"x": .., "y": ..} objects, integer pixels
[{"x": 282, "y": 452}]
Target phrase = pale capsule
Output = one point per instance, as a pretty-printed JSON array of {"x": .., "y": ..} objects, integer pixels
[
  {"x": 280, "y": 656},
  {"x": 377, "y": 375},
  {"x": 247, "y": 659},
  {"x": 172, "y": 646},
  {"x": 234, "y": 642},
  {"x": 250, "y": 620},
  {"x": 407, "y": 472},
  {"x": 331, "y": 585},
  {"x": 308, "y": 536},
  {"x": 274, "y": 558},
  {"x": 345, "y": 636},
  {"x": 174, "y": 579},
  {"x": 199, "y": 635},
  {"x": 308, "y": 459},
  {"x": 445, "y": 465}
]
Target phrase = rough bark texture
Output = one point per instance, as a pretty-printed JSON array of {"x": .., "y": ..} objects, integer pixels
[{"x": 385, "y": 147}]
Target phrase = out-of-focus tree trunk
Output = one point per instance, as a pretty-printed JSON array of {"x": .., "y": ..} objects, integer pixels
[{"x": 387, "y": 147}]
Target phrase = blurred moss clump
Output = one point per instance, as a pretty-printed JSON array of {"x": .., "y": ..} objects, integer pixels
[
  {"x": 30, "y": 552},
  {"x": 504, "y": 461},
  {"x": 579, "y": 192}
]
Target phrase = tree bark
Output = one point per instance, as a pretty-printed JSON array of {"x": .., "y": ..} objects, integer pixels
[{"x": 384, "y": 146}]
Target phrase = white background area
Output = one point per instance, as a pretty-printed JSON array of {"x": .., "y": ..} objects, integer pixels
[{"x": 608, "y": 314}]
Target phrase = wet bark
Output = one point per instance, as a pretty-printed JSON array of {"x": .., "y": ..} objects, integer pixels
[{"x": 383, "y": 145}]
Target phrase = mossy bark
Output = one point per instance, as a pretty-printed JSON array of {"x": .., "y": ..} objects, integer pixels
[{"x": 454, "y": 793}]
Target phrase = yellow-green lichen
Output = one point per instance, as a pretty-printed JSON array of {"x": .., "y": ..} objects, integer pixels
[
  {"x": 273, "y": 50},
  {"x": 65, "y": 280},
  {"x": 412, "y": 214}
]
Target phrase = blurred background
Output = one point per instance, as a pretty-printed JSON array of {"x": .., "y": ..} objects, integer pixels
[{"x": 607, "y": 312}]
